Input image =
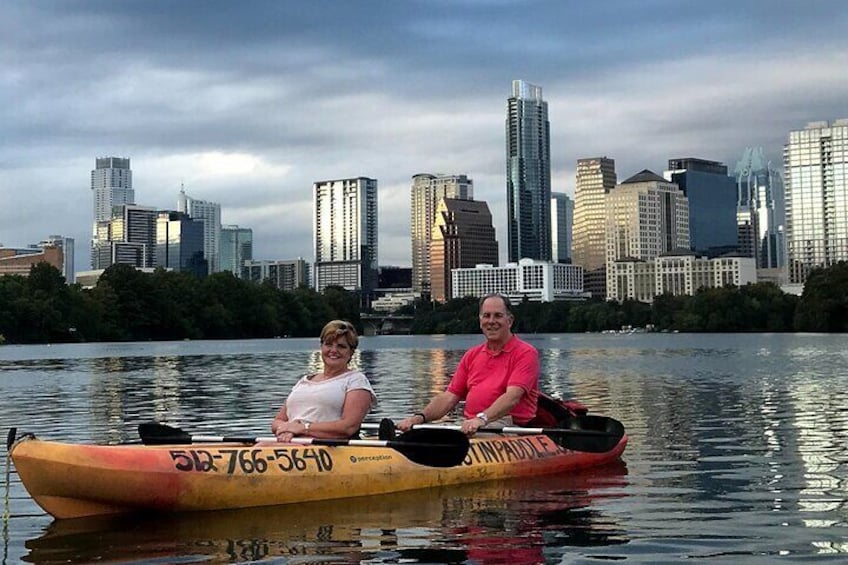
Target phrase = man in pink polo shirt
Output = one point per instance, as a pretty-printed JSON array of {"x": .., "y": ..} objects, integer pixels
[{"x": 498, "y": 379}]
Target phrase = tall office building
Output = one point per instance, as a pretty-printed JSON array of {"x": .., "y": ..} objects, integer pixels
[
  {"x": 463, "y": 236},
  {"x": 760, "y": 211},
  {"x": 210, "y": 214},
  {"x": 236, "y": 248},
  {"x": 179, "y": 243},
  {"x": 816, "y": 163},
  {"x": 345, "y": 235},
  {"x": 712, "y": 203},
  {"x": 562, "y": 218},
  {"x": 111, "y": 185},
  {"x": 595, "y": 179},
  {"x": 426, "y": 192},
  {"x": 528, "y": 174},
  {"x": 129, "y": 238},
  {"x": 646, "y": 216}
]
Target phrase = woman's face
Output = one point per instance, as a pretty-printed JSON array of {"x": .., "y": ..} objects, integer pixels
[{"x": 336, "y": 352}]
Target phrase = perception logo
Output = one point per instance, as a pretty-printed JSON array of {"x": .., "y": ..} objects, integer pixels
[{"x": 355, "y": 459}]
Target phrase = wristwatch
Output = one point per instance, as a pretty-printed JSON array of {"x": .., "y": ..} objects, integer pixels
[
  {"x": 306, "y": 425},
  {"x": 482, "y": 416}
]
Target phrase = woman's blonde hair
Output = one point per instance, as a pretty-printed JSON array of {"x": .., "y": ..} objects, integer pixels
[{"x": 338, "y": 328}]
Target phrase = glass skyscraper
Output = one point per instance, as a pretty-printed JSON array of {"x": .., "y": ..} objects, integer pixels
[
  {"x": 528, "y": 174},
  {"x": 562, "y": 217},
  {"x": 816, "y": 163},
  {"x": 760, "y": 212},
  {"x": 209, "y": 213}
]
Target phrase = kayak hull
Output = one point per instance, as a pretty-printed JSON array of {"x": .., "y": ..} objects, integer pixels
[{"x": 75, "y": 480}]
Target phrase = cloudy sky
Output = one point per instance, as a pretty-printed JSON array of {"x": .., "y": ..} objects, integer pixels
[{"x": 248, "y": 103}]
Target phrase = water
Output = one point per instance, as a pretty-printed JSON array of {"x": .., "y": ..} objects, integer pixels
[{"x": 738, "y": 453}]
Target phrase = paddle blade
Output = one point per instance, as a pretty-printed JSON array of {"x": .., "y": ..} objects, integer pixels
[
  {"x": 387, "y": 429},
  {"x": 610, "y": 433},
  {"x": 433, "y": 447},
  {"x": 154, "y": 433}
]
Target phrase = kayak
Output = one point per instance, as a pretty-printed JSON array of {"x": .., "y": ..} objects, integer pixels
[{"x": 72, "y": 480}]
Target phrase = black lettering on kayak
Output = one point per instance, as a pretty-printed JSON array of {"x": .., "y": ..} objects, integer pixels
[
  {"x": 510, "y": 453},
  {"x": 488, "y": 451},
  {"x": 499, "y": 447}
]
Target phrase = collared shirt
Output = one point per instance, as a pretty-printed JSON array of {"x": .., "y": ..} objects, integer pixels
[{"x": 482, "y": 376}]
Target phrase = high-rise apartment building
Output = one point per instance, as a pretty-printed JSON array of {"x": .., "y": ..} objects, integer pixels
[
  {"x": 111, "y": 185},
  {"x": 236, "y": 248},
  {"x": 816, "y": 163},
  {"x": 712, "y": 203},
  {"x": 562, "y": 219},
  {"x": 595, "y": 179},
  {"x": 528, "y": 174},
  {"x": 646, "y": 216},
  {"x": 463, "y": 236},
  {"x": 345, "y": 235},
  {"x": 209, "y": 213},
  {"x": 283, "y": 274},
  {"x": 179, "y": 243},
  {"x": 426, "y": 192},
  {"x": 760, "y": 212}
]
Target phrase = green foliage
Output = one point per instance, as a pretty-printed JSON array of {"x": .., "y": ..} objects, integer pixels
[
  {"x": 128, "y": 305},
  {"x": 824, "y": 305}
]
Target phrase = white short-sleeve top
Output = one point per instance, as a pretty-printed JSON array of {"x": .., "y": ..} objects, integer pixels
[{"x": 323, "y": 401}]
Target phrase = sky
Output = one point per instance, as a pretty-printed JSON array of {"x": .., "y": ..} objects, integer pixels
[{"x": 249, "y": 103}]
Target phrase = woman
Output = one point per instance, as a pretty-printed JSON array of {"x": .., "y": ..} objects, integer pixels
[{"x": 332, "y": 403}]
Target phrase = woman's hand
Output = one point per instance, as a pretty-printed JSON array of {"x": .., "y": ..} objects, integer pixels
[{"x": 285, "y": 431}]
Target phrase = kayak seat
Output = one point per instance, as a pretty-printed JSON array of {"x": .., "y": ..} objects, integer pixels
[{"x": 551, "y": 411}]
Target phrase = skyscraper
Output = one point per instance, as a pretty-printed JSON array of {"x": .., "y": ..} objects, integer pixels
[
  {"x": 528, "y": 174},
  {"x": 760, "y": 212},
  {"x": 111, "y": 185},
  {"x": 210, "y": 214},
  {"x": 712, "y": 203},
  {"x": 816, "y": 163},
  {"x": 463, "y": 236},
  {"x": 646, "y": 215},
  {"x": 236, "y": 248},
  {"x": 426, "y": 192},
  {"x": 595, "y": 179},
  {"x": 179, "y": 243},
  {"x": 562, "y": 218},
  {"x": 129, "y": 238},
  {"x": 345, "y": 235}
]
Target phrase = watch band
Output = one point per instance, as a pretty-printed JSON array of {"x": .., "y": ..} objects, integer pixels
[{"x": 482, "y": 416}]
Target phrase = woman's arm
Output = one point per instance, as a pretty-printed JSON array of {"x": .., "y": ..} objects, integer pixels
[{"x": 281, "y": 418}]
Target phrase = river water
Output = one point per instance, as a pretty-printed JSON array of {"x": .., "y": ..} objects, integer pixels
[{"x": 738, "y": 452}]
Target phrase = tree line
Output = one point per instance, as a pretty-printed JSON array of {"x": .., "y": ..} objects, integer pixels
[{"x": 129, "y": 305}]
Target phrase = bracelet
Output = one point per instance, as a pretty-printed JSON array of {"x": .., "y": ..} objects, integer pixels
[{"x": 423, "y": 417}]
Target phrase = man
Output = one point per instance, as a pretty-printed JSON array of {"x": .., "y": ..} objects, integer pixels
[{"x": 498, "y": 379}]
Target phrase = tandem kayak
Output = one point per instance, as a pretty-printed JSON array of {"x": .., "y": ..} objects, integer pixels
[{"x": 70, "y": 480}]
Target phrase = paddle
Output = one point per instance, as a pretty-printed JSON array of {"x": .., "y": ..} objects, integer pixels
[
  {"x": 434, "y": 448},
  {"x": 591, "y": 434}
]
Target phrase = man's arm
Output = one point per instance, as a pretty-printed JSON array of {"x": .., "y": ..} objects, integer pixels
[
  {"x": 438, "y": 406},
  {"x": 502, "y": 406}
]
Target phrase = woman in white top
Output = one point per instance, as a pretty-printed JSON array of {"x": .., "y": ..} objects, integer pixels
[{"x": 332, "y": 403}]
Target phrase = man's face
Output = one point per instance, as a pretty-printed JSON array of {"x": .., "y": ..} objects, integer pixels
[{"x": 495, "y": 321}]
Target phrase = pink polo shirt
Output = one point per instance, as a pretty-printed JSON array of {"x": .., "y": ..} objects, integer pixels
[{"x": 481, "y": 377}]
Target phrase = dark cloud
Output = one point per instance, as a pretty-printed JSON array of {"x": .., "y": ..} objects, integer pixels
[{"x": 249, "y": 103}]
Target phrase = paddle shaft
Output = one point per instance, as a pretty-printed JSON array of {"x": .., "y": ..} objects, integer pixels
[
  {"x": 318, "y": 441},
  {"x": 509, "y": 430}
]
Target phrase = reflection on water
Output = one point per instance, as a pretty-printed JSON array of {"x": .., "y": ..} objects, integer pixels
[
  {"x": 500, "y": 522},
  {"x": 738, "y": 451}
]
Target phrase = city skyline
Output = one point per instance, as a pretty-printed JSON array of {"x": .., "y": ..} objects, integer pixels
[{"x": 248, "y": 108}]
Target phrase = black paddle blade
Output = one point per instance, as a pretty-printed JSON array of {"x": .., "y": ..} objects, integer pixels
[
  {"x": 387, "y": 429},
  {"x": 433, "y": 447},
  {"x": 154, "y": 433},
  {"x": 605, "y": 433}
]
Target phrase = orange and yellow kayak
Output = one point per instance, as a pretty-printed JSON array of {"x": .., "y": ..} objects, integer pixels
[{"x": 74, "y": 480}]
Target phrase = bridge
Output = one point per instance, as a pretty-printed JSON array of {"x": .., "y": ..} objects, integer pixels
[{"x": 386, "y": 324}]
